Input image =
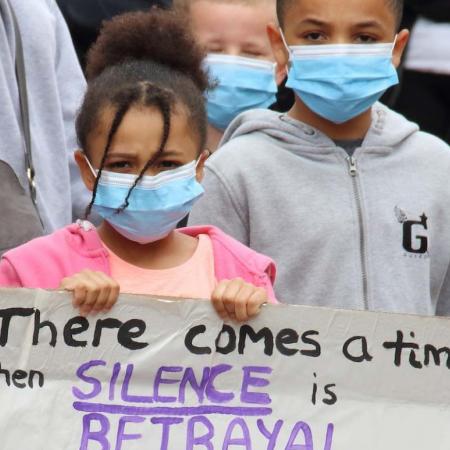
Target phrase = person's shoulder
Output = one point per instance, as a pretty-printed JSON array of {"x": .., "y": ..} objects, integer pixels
[
  {"x": 431, "y": 143},
  {"x": 228, "y": 250},
  {"x": 397, "y": 131},
  {"x": 252, "y": 131},
  {"x": 244, "y": 146},
  {"x": 80, "y": 237},
  {"x": 243, "y": 152},
  {"x": 39, "y": 247},
  {"x": 429, "y": 147}
]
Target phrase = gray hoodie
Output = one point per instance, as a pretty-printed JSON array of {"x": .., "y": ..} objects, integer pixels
[
  {"x": 56, "y": 87},
  {"x": 368, "y": 232}
]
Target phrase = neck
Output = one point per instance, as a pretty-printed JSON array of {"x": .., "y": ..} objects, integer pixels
[
  {"x": 131, "y": 250},
  {"x": 355, "y": 128},
  {"x": 171, "y": 251}
]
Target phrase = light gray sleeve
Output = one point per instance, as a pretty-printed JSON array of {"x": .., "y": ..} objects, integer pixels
[
  {"x": 219, "y": 207},
  {"x": 71, "y": 88},
  {"x": 443, "y": 306}
]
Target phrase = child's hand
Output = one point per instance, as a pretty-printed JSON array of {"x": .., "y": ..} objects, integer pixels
[
  {"x": 238, "y": 300},
  {"x": 92, "y": 291}
]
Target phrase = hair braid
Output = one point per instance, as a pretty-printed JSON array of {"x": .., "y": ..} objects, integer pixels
[
  {"x": 125, "y": 102},
  {"x": 154, "y": 96}
]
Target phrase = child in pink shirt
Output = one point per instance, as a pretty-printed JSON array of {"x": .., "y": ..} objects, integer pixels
[{"x": 142, "y": 130}]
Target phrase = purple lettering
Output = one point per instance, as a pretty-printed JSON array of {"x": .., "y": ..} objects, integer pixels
[
  {"x": 329, "y": 439},
  {"x": 189, "y": 377},
  {"x": 96, "y": 384},
  {"x": 249, "y": 380},
  {"x": 308, "y": 445},
  {"x": 159, "y": 380},
  {"x": 98, "y": 436},
  {"x": 126, "y": 397},
  {"x": 205, "y": 439},
  {"x": 215, "y": 396},
  {"x": 166, "y": 423},
  {"x": 270, "y": 436},
  {"x": 125, "y": 410},
  {"x": 243, "y": 441},
  {"x": 112, "y": 383},
  {"x": 121, "y": 436}
]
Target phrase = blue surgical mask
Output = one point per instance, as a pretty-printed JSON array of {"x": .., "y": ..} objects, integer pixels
[
  {"x": 156, "y": 205},
  {"x": 341, "y": 81},
  {"x": 242, "y": 84}
]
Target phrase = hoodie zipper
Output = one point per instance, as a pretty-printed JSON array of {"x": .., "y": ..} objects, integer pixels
[{"x": 353, "y": 170}]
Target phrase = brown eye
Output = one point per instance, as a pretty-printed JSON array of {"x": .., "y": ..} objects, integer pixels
[
  {"x": 314, "y": 37},
  {"x": 118, "y": 165},
  {"x": 167, "y": 165},
  {"x": 366, "y": 39}
]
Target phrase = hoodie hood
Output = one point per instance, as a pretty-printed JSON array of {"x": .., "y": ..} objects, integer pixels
[{"x": 388, "y": 129}]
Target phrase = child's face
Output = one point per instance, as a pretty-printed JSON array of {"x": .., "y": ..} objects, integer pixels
[
  {"x": 316, "y": 22},
  {"x": 137, "y": 140},
  {"x": 233, "y": 28}
]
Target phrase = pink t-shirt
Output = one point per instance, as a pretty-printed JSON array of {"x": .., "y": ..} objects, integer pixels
[{"x": 193, "y": 279}]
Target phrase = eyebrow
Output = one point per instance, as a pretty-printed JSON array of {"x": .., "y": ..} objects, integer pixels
[
  {"x": 315, "y": 22},
  {"x": 321, "y": 23},
  {"x": 133, "y": 156},
  {"x": 369, "y": 24},
  {"x": 171, "y": 153},
  {"x": 113, "y": 154}
]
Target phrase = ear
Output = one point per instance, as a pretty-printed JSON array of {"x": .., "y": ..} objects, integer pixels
[
  {"x": 201, "y": 165},
  {"x": 279, "y": 51},
  {"x": 399, "y": 48},
  {"x": 280, "y": 74},
  {"x": 86, "y": 173}
]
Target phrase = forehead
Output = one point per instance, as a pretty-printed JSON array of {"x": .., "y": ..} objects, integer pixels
[
  {"x": 140, "y": 133},
  {"x": 340, "y": 12},
  {"x": 232, "y": 21}
]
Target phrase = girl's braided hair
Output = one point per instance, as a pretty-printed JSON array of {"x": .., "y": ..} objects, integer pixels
[{"x": 145, "y": 59}]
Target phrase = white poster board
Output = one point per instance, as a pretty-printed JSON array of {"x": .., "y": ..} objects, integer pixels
[{"x": 153, "y": 375}]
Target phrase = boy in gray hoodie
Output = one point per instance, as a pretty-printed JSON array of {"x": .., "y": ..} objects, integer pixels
[{"x": 350, "y": 199}]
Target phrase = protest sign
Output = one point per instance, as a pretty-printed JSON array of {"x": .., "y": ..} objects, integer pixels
[{"x": 155, "y": 374}]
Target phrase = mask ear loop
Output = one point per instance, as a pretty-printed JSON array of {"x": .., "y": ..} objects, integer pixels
[
  {"x": 94, "y": 172},
  {"x": 287, "y": 48},
  {"x": 394, "y": 43},
  {"x": 284, "y": 39}
]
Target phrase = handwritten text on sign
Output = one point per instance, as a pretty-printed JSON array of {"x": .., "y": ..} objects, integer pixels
[{"x": 170, "y": 375}]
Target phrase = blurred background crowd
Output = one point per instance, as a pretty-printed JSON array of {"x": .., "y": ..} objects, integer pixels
[{"x": 424, "y": 93}]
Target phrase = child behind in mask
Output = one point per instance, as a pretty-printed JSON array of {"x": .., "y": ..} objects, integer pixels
[
  {"x": 240, "y": 58},
  {"x": 349, "y": 198},
  {"x": 142, "y": 129}
]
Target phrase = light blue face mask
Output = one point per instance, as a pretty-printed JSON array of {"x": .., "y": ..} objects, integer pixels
[
  {"x": 156, "y": 204},
  {"x": 243, "y": 84},
  {"x": 339, "y": 82}
]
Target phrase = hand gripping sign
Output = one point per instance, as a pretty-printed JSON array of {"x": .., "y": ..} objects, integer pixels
[{"x": 157, "y": 374}]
